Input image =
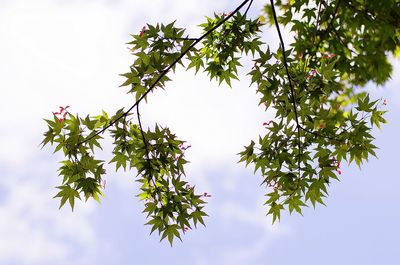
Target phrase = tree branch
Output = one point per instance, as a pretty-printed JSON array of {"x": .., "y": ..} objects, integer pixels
[
  {"x": 290, "y": 82},
  {"x": 167, "y": 70}
]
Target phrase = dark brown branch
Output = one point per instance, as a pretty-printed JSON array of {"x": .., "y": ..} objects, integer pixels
[
  {"x": 167, "y": 70},
  {"x": 289, "y": 78}
]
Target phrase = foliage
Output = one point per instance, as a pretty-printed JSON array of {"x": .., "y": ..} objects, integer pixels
[{"x": 321, "y": 118}]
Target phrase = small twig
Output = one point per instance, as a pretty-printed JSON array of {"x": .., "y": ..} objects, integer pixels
[
  {"x": 326, "y": 29},
  {"x": 319, "y": 135},
  {"x": 194, "y": 39},
  {"x": 344, "y": 45},
  {"x": 317, "y": 24},
  {"x": 248, "y": 7},
  {"x": 147, "y": 151}
]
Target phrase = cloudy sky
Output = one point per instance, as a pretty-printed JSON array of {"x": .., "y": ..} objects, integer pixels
[{"x": 70, "y": 52}]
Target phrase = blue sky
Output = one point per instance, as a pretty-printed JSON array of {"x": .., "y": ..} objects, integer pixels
[{"x": 57, "y": 52}]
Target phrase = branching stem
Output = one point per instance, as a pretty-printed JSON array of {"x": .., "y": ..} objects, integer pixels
[
  {"x": 290, "y": 82},
  {"x": 167, "y": 70}
]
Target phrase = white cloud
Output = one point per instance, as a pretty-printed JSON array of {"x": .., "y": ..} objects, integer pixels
[
  {"x": 32, "y": 229},
  {"x": 252, "y": 216}
]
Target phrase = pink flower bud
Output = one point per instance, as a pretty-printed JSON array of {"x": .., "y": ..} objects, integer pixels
[{"x": 141, "y": 32}]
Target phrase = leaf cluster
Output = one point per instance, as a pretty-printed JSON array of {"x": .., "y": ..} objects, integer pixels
[{"x": 320, "y": 118}]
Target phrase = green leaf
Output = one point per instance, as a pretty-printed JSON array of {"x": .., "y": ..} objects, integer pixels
[
  {"x": 275, "y": 210},
  {"x": 67, "y": 193}
]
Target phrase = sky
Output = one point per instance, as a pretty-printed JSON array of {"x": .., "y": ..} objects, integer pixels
[{"x": 57, "y": 52}]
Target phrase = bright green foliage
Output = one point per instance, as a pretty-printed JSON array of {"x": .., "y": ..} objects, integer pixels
[
  {"x": 223, "y": 47},
  {"x": 359, "y": 32},
  {"x": 321, "y": 118}
]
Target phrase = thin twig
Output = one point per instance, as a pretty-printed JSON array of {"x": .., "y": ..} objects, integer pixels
[
  {"x": 316, "y": 26},
  {"x": 322, "y": 136},
  {"x": 147, "y": 150},
  {"x": 248, "y": 7},
  {"x": 326, "y": 29}
]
